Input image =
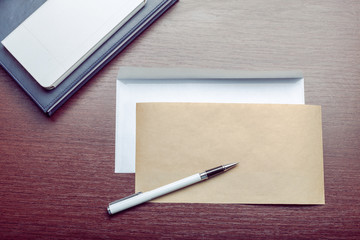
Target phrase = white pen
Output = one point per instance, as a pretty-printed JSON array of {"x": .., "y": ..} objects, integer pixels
[{"x": 141, "y": 197}]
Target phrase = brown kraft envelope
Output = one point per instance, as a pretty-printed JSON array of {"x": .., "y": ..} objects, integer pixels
[{"x": 278, "y": 147}]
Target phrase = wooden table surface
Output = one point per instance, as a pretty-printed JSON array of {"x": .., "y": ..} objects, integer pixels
[{"x": 57, "y": 174}]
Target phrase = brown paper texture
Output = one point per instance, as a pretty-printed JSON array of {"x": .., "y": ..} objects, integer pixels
[{"x": 278, "y": 147}]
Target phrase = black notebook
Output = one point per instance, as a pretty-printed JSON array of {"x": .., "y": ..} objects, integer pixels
[{"x": 14, "y": 12}]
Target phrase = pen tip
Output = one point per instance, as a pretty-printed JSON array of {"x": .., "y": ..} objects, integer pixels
[{"x": 229, "y": 166}]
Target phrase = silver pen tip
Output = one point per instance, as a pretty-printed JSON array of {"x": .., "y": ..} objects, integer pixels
[{"x": 229, "y": 166}]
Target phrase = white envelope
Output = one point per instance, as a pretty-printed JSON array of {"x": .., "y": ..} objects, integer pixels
[{"x": 193, "y": 85}]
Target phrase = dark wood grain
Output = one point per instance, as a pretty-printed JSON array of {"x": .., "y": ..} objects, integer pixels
[{"x": 57, "y": 174}]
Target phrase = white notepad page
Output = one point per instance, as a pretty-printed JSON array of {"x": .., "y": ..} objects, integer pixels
[
  {"x": 61, "y": 34},
  {"x": 193, "y": 85}
]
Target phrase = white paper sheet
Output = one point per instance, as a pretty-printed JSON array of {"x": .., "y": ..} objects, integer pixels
[{"x": 193, "y": 85}]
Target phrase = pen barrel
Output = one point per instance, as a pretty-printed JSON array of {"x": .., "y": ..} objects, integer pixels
[{"x": 147, "y": 196}]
